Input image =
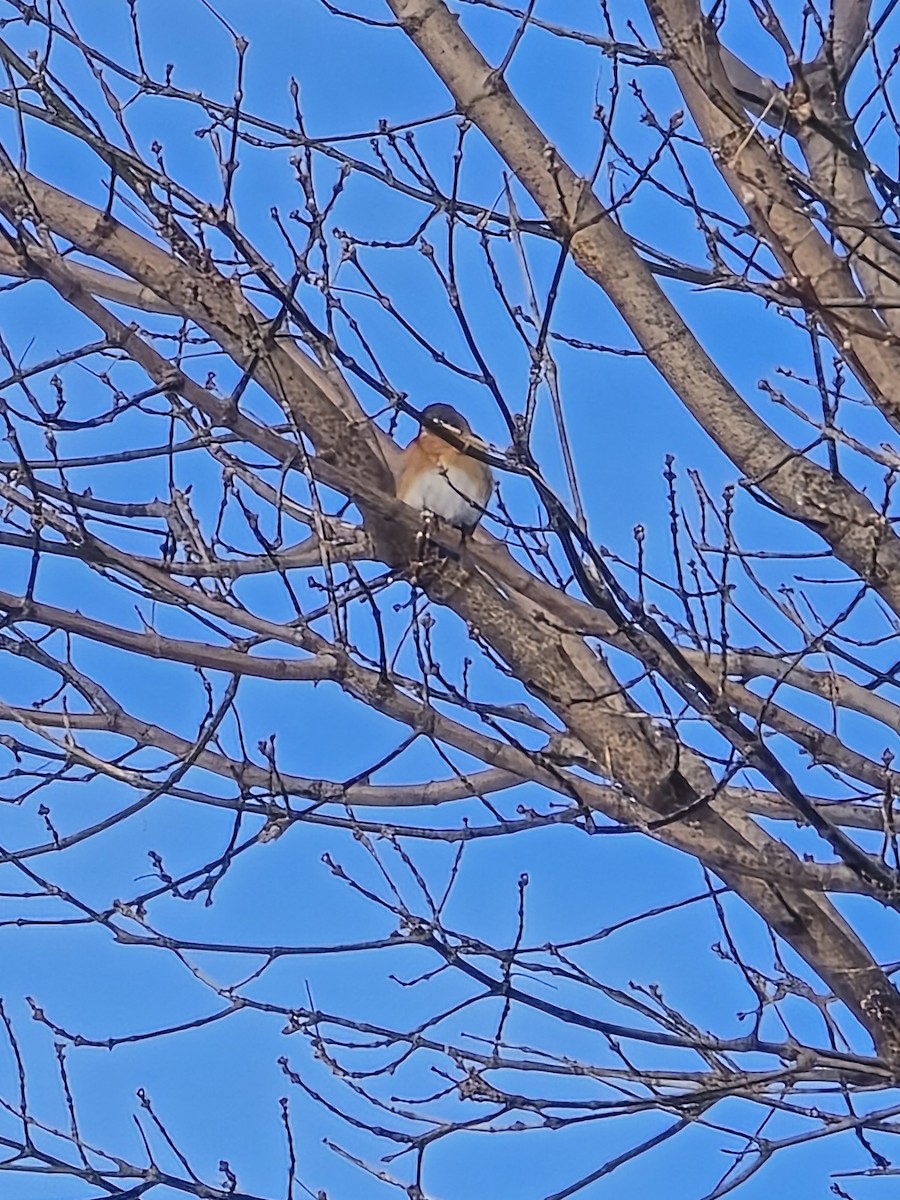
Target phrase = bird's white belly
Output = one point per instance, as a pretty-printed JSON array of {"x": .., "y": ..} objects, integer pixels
[{"x": 450, "y": 494}]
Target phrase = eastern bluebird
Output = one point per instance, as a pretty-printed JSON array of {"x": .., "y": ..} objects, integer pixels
[{"x": 438, "y": 478}]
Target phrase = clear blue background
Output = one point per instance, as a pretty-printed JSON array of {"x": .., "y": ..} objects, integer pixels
[{"x": 217, "y": 1088}]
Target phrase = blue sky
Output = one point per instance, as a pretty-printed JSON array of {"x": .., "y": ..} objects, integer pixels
[{"x": 217, "y": 1088}]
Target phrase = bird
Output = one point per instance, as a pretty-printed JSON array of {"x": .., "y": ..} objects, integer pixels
[{"x": 438, "y": 478}]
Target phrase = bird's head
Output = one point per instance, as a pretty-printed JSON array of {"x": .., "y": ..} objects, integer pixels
[{"x": 446, "y": 414}]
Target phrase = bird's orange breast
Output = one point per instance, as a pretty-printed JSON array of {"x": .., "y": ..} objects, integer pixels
[{"x": 438, "y": 478}]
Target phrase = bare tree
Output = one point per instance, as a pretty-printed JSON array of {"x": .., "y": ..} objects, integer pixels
[{"x": 207, "y": 571}]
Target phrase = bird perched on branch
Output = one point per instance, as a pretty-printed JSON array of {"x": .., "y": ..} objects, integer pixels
[{"x": 440, "y": 478}]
